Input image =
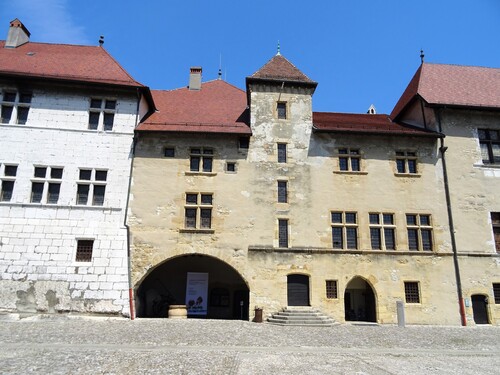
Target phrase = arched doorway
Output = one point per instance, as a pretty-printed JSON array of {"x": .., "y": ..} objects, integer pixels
[
  {"x": 298, "y": 290},
  {"x": 359, "y": 301},
  {"x": 227, "y": 292},
  {"x": 480, "y": 309}
]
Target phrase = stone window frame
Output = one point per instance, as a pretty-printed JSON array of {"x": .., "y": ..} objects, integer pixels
[
  {"x": 420, "y": 226},
  {"x": 91, "y": 183},
  {"x": 331, "y": 289},
  {"x": 84, "y": 250},
  {"x": 205, "y": 161},
  {"x": 46, "y": 187},
  {"x": 350, "y": 161},
  {"x": 282, "y": 191},
  {"x": 200, "y": 204},
  {"x": 383, "y": 226},
  {"x": 7, "y": 181},
  {"x": 486, "y": 144},
  {"x": 281, "y": 152},
  {"x": 283, "y": 232},
  {"x": 102, "y": 109},
  {"x": 169, "y": 152},
  {"x": 17, "y": 107},
  {"x": 282, "y": 110},
  {"x": 495, "y": 226},
  {"x": 496, "y": 293},
  {"x": 343, "y": 227},
  {"x": 231, "y": 167},
  {"x": 412, "y": 292},
  {"x": 406, "y": 163}
]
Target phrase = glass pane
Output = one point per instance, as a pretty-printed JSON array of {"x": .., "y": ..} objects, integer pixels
[
  {"x": 281, "y": 152},
  {"x": 10, "y": 170},
  {"x": 206, "y": 199},
  {"x": 192, "y": 198},
  {"x": 412, "y": 239},
  {"x": 283, "y": 233},
  {"x": 195, "y": 151},
  {"x": 494, "y": 135},
  {"x": 336, "y": 217},
  {"x": 412, "y": 166},
  {"x": 56, "y": 173},
  {"x": 95, "y": 103},
  {"x": 108, "y": 121},
  {"x": 82, "y": 194},
  {"x": 485, "y": 154},
  {"x": 411, "y": 219},
  {"x": 206, "y": 218},
  {"x": 101, "y": 175},
  {"x": 388, "y": 219},
  {"x": 282, "y": 110},
  {"x": 93, "y": 120},
  {"x": 190, "y": 218},
  {"x": 54, "y": 190},
  {"x": 231, "y": 167},
  {"x": 390, "y": 242},
  {"x": 110, "y": 104},
  {"x": 243, "y": 142},
  {"x": 6, "y": 114},
  {"x": 350, "y": 217},
  {"x": 9, "y": 97},
  {"x": 354, "y": 152},
  {"x": 425, "y": 220},
  {"x": 25, "y": 98},
  {"x": 36, "y": 192},
  {"x": 482, "y": 134},
  {"x": 400, "y": 164},
  {"x": 169, "y": 152},
  {"x": 343, "y": 164},
  {"x": 411, "y": 153},
  {"x": 194, "y": 164},
  {"x": 375, "y": 238},
  {"x": 85, "y": 174},
  {"x": 426, "y": 239},
  {"x": 208, "y": 151},
  {"x": 7, "y": 189},
  {"x": 343, "y": 151},
  {"x": 282, "y": 191},
  {"x": 99, "y": 191},
  {"x": 495, "y": 148},
  {"x": 207, "y": 164},
  {"x": 355, "y": 164},
  {"x": 337, "y": 239},
  {"x": 352, "y": 234},
  {"x": 374, "y": 218},
  {"x": 22, "y": 115},
  {"x": 40, "y": 172},
  {"x": 400, "y": 153}
]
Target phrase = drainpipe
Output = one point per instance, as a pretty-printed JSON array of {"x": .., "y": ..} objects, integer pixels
[
  {"x": 129, "y": 260},
  {"x": 443, "y": 149}
]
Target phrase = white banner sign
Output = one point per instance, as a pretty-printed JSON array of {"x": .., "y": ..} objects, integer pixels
[{"x": 196, "y": 293}]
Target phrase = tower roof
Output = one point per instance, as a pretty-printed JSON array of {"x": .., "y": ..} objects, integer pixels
[{"x": 280, "y": 69}]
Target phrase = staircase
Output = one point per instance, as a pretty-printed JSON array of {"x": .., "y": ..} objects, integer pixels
[{"x": 301, "y": 316}]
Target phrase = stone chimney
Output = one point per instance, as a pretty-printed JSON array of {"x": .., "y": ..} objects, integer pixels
[
  {"x": 18, "y": 34},
  {"x": 195, "y": 78}
]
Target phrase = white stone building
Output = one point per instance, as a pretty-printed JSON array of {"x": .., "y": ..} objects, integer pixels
[{"x": 68, "y": 115}]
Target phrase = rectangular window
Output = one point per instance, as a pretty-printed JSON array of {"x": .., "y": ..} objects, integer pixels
[
  {"x": 231, "y": 166},
  {"x": 281, "y": 152},
  {"x": 419, "y": 231},
  {"x": 198, "y": 211},
  {"x": 46, "y": 179},
  {"x": 282, "y": 232},
  {"x": 92, "y": 183},
  {"x": 412, "y": 292},
  {"x": 382, "y": 231},
  {"x": 331, "y": 289},
  {"x": 406, "y": 162},
  {"x": 84, "y": 250},
  {"x": 281, "y": 110},
  {"x": 169, "y": 152},
  {"x": 489, "y": 141},
  {"x": 104, "y": 109},
  {"x": 20, "y": 102},
  {"x": 201, "y": 160},
  {"x": 344, "y": 230},
  {"x": 496, "y": 292},
  {"x": 349, "y": 160},
  {"x": 243, "y": 143},
  {"x": 282, "y": 192},
  {"x": 495, "y": 222},
  {"x": 7, "y": 181}
]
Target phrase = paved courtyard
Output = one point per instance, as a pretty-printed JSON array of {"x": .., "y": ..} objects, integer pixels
[{"x": 95, "y": 345}]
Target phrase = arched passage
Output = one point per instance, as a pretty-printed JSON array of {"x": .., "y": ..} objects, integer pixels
[
  {"x": 227, "y": 297},
  {"x": 359, "y": 301},
  {"x": 480, "y": 309}
]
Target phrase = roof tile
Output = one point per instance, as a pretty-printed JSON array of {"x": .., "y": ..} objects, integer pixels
[{"x": 279, "y": 68}]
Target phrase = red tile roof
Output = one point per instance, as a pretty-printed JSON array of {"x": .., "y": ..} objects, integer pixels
[
  {"x": 217, "y": 108},
  {"x": 364, "y": 123},
  {"x": 280, "y": 69},
  {"x": 453, "y": 85},
  {"x": 63, "y": 62}
]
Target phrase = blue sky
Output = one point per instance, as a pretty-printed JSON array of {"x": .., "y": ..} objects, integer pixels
[{"x": 360, "y": 52}]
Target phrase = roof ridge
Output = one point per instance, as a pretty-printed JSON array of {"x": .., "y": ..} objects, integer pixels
[
  {"x": 205, "y": 82},
  {"x": 462, "y": 66},
  {"x": 56, "y": 44}
]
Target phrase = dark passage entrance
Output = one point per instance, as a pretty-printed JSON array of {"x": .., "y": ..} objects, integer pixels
[
  {"x": 298, "y": 290},
  {"x": 227, "y": 295},
  {"x": 480, "y": 309},
  {"x": 359, "y": 301}
]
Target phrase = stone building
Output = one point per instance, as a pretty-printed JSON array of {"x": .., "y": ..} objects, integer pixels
[
  {"x": 68, "y": 115},
  {"x": 279, "y": 205}
]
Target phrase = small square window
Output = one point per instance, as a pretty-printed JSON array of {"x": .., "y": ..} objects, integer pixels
[
  {"x": 374, "y": 219},
  {"x": 84, "y": 250},
  {"x": 331, "y": 289},
  {"x": 95, "y": 103},
  {"x": 191, "y": 198},
  {"x": 169, "y": 152},
  {"x": 230, "y": 166},
  {"x": 85, "y": 174},
  {"x": 336, "y": 217},
  {"x": 101, "y": 175},
  {"x": 206, "y": 199},
  {"x": 110, "y": 104},
  {"x": 40, "y": 172},
  {"x": 10, "y": 170},
  {"x": 412, "y": 292},
  {"x": 56, "y": 173},
  {"x": 25, "y": 98},
  {"x": 243, "y": 142}
]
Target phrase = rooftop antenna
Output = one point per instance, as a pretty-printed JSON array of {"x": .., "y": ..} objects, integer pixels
[
  {"x": 220, "y": 67},
  {"x": 278, "y": 53},
  {"x": 422, "y": 56},
  {"x": 101, "y": 40}
]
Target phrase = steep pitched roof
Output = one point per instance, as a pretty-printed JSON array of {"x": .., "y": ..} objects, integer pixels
[
  {"x": 217, "y": 108},
  {"x": 280, "y": 69},
  {"x": 364, "y": 123},
  {"x": 64, "y": 62},
  {"x": 453, "y": 85}
]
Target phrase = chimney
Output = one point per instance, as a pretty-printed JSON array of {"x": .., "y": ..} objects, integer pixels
[
  {"x": 195, "y": 78},
  {"x": 18, "y": 34}
]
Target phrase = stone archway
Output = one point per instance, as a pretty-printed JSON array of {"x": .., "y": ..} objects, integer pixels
[
  {"x": 228, "y": 293},
  {"x": 359, "y": 301}
]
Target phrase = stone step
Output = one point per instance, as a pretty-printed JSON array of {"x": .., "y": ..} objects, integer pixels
[
  {"x": 300, "y": 316},
  {"x": 309, "y": 323}
]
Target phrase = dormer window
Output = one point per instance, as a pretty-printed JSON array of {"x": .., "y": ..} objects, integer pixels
[{"x": 281, "y": 110}]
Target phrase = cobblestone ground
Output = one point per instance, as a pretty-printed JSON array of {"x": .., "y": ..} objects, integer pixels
[{"x": 89, "y": 345}]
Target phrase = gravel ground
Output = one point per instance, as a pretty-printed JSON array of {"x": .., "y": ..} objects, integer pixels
[{"x": 68, "y": 344}]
